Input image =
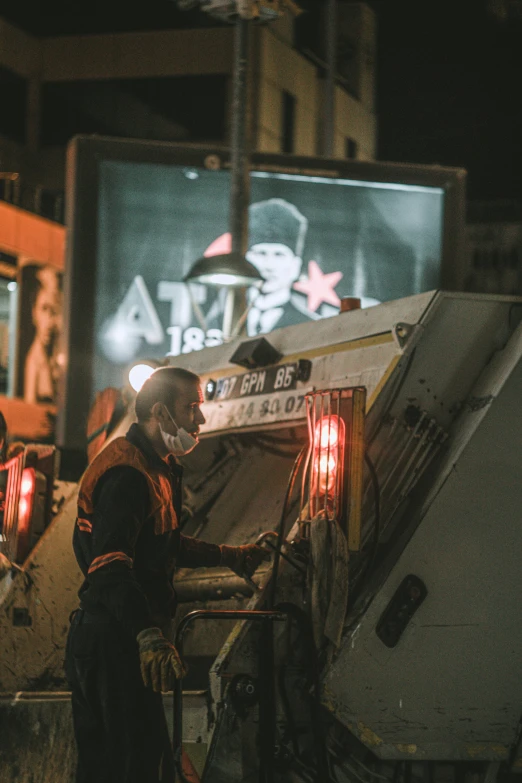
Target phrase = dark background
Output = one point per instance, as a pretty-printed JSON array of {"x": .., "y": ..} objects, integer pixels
[{"x": 448, "y": 75}]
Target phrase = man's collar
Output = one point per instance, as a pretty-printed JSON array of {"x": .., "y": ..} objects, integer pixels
[{"x": 137, "y": 437}]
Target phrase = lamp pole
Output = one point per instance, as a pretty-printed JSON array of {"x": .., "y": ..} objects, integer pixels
[
  {"x": 241, "y": 11},
  {"x": 235, "y": 303}
]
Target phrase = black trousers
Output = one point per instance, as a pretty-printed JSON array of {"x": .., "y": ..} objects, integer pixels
[{"x": 119, "y": 724}]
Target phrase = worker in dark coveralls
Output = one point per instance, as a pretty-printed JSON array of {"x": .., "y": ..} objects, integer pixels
[{"x": 127, "y": 542}]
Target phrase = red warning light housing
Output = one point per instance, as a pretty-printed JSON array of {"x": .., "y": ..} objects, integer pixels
[{"x": 332, "y": 480}]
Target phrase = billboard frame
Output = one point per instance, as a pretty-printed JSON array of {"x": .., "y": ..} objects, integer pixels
[{"x": 84, "y": 155}]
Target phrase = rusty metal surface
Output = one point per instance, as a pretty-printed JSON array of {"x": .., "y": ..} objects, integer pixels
[{"x": 35, "y": 606}]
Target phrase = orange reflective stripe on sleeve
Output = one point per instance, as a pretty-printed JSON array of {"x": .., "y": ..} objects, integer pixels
[{"x": 111, "y": 557}]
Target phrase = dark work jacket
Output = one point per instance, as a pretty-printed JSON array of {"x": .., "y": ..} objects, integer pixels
[{"x": 128, "y": 564}]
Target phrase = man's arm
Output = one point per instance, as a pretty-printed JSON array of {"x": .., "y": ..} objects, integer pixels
[
  {"x": 194, "y": 553},
  {"x": 121, "y": 507},
  {"x": 243, "y": 560}
]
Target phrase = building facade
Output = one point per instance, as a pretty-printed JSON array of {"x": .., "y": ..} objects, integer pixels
[
  {"x": 494, "y": 248},
  {"x": 176, "y": 85}
]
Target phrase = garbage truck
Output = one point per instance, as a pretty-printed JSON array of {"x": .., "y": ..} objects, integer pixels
[{"x": 376, "y": 456}]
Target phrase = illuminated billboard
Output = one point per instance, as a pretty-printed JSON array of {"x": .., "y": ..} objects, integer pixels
[{"x": 141, "y": 214}]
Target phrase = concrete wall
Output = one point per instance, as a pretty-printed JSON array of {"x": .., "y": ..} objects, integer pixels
[
  {"x": 137, "y": 55},
  {"x": 355, "y": 116},
  {"x": 282, "y": 68},
  {"x": 353, "y": 120},
  {"x": 357, "y": 45}
]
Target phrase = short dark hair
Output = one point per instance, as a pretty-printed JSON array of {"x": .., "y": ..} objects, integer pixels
[{"x": 162, "y": 386}]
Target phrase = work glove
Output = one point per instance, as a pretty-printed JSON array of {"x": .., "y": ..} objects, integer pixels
[
  {"x": 243, "y": 560},
  {"x": 159, "y": 660}
]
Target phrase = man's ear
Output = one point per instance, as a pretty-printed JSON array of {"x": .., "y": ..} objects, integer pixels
[
  {"x": 298, "y": 266},
  {"x": 158, "y": 411}
]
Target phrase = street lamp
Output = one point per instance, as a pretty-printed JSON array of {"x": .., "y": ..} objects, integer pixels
[
  {"x": 232, "y": 270},
  {"x": 229, "y": 269}
]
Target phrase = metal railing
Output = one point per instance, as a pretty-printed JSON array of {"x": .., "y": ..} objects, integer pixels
[
  {"x": 42, "y": 201},
  {"x": 266, "y": 719}
]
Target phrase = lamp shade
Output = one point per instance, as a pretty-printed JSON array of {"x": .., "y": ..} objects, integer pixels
[{"x": 228, "y": 269}]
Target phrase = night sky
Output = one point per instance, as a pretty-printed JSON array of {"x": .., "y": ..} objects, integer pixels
[
  {"x": 449, "y": 75},
  {"x": 450, "y": 79}
]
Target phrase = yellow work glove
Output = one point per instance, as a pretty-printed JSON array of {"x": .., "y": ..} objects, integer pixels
[
  {"x": 243, "y": 560},
  {"x": 159, "y": 660}
]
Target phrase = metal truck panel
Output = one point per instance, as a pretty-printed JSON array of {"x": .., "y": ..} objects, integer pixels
[{"x": 451, "y": 686}]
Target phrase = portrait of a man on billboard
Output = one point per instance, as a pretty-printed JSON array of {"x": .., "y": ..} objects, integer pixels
[{"x": 277, "y": 235}]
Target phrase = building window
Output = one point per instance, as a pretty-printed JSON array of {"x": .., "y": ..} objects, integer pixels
[
  {"x": 287, "y": 141},
  {"x": 13, "y": 100},
  {"x": 350, "y": 148}
]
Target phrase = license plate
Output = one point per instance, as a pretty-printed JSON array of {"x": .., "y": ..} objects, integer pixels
[{"x": 280, "y": 378}]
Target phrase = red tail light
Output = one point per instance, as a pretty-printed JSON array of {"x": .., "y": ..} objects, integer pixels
[
  {"x": 326, "y": 461},
  {"x": 327, "y": 464},
  {"x": 25, "y": 503},
  {"x": 28, "y": 499},
  {"x": 327, "y": 432}
]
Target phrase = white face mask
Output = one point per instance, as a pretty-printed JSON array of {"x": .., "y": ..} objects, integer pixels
[{"x": 181, "y": 443}]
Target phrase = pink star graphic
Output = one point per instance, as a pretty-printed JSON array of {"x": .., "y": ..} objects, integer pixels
[{"x": 319, "y": 286}]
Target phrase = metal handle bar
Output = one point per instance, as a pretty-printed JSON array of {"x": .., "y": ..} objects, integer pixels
[{"x": 205, "y": 614}]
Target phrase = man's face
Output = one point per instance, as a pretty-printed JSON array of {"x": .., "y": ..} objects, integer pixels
[
  {"x": 185, "y": 410},
  {"x": 277, "y": 264}
]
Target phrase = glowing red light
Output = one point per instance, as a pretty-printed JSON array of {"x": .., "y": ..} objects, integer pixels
[
  {"x": 25, "y": 503},
  {"x": 326, "y": 467},
  {"x": 327, "y": 432},
  {"x": 327, "y": 463},
  {"x": 27, "y": 483}
]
